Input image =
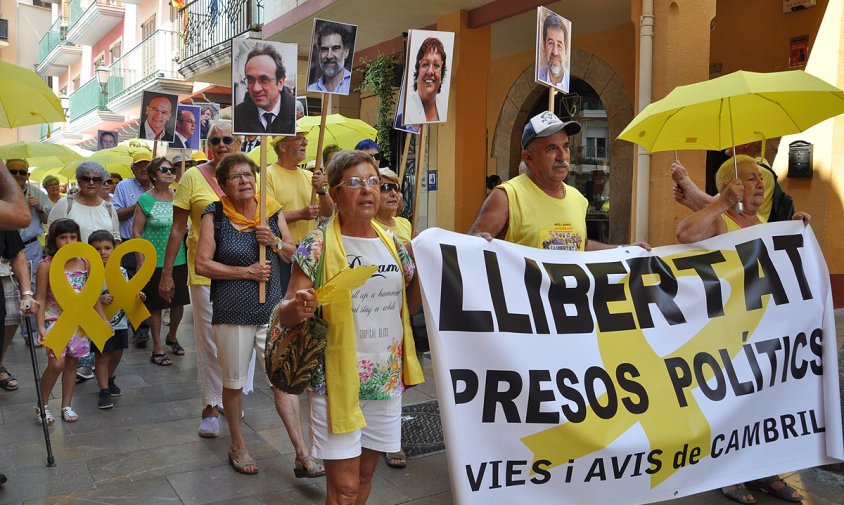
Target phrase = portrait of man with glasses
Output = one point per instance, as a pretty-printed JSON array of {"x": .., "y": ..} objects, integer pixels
[
  {"x": 157, "y": 118},
  {"x": 263, "y": 88}
]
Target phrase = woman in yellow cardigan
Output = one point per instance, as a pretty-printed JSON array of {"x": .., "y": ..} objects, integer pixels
[{"x": 356, "y": 398}]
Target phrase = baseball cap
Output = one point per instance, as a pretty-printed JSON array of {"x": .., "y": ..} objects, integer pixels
[
  {"x": 141, "y": 156},
  {"x": 198, "y": 156},
  {"x": 545, "y": 125},
  {"x": 181, "y": 157}
]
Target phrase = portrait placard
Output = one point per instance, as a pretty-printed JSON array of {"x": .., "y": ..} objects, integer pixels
[
  {"x": 331, "y": 57},
  {"x": 427, "y": 78},
  {"x": 187, "y": 134},
  {"x": 264, "y": 87},
  {"x": 158, "y": 118},
  {"x": 553, "y": 49},
  {"x": 106, "y": 139}
]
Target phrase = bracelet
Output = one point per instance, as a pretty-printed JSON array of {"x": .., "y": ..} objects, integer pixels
[{"x": 26, "y": 293}]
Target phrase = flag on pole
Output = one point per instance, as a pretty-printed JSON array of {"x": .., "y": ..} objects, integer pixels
[{"x": 180, "y": 4}]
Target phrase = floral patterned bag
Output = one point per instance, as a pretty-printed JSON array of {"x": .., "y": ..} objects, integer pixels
[{"x": 292, "y": 355}]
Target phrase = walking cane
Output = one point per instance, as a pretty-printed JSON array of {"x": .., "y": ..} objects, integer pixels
[{"x": 50, "y": 460}]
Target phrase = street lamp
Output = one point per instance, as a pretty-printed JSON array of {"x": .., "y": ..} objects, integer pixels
[{"x": 102, "y": 79}]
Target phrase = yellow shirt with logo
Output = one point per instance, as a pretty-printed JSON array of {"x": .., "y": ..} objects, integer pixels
[
  {"x": 194, "y": 194},
  {"x": 292, "y": 189},
  {"x": 541, "y": 221}
]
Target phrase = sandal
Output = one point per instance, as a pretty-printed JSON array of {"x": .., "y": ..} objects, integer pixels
[
  {"x": 4, "y": 383},
  {"x": 738, "y": 493},
  {"x": 396, "y": 459},
  {"x": 241, "y": 461},
  {"x": 177, "y": 349},
  {"x": 782, "y": 491},
  {"x": 160, "y": 359},
  {"x": 308, "y": 467},
  {"x": 48, "y": 417},
  {"x": 68, "y": 415}
]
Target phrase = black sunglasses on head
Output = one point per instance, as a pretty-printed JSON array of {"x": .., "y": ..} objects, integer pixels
[{"x": 215, "y": 141}]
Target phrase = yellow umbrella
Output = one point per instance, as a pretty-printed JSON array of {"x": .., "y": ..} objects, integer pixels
[
  {"x": 734, "y": 109},
  {"x": 25, "y": 99},
  {"x": 343, "y": 131},
  {"x": 112, "y": 164},
  {"x": 39, "y": 174},
  {"x": 31, "y": 150}
]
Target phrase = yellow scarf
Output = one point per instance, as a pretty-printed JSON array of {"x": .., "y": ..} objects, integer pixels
[
  {"x": 244, "y": 222},
  {"x": 341, "y": 367}
]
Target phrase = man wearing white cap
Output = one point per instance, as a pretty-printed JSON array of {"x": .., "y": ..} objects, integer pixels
[{"x": 537, "y": 208}]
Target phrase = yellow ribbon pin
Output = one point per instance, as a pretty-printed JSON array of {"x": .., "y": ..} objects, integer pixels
[
  {"x": 126, "y": 293},
  {"x": 77, "y": 308}
]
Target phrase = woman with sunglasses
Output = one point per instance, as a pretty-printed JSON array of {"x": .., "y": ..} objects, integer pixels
[
  {"x": 196, "y": 190},
  {"x": 106, "y": 190},
  {"x": 86, "y": 206},
  {"x": 152, "y": 221},
  {"x": 355, "y": 398},
  {"x": 390, "y": 206}
]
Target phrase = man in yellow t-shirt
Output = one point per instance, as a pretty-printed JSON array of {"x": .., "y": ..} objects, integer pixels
[
  {"x": 537, "y": 208},
  {"x": 292, "y": 186}
]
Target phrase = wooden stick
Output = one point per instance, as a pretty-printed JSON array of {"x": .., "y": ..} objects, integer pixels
[
  {"x": 262, "y": 213},
  {"x": 181, "y": 170},
  {"x": 318, "y": 161},
  {"x": 551, "y": 93},
  {"x": 154, "y": 147},
  {"x": 403, "y": 163},
  {"x": 420, "y": 160}
]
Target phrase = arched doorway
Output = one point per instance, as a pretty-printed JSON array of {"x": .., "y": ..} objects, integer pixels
[{"x": 597, "y": 83}]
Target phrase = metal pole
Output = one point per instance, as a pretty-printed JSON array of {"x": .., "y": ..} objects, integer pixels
[{"x": 50, "y": 459}]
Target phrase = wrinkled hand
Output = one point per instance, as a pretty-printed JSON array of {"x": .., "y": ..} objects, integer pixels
[
  {"x": 106, "y": 299},
  {"x": 257, "y": 272},
  {"x": 28, "y": 304},
  {"x": 679, "y": 174},
  {"x": 318, "y": 180},
  {"x": 32, "y": 201},
  {"x": 42, "y": 335},
  {"x": 166, "y": 287},
  {"x": 733, "y": 193},
  {"x": 265, "y": 236},
  {"x": 310, "y": 212},
  {"x": 644, "y": 245},
  {"x": 802, "y": 216},
  {"x": 485, "y": 235},
  {"x": 305, "y": 303}
]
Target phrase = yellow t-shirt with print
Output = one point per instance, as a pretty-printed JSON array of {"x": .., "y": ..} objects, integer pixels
[
  {"x": 292, "y": 189},
  {"x": 194, "y": 194},
  {"x": 402, "y": 229},
  {"x": 541, "y": 221}
]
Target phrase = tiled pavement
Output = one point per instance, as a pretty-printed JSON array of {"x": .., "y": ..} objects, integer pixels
[{"x": 146, "y": 450}]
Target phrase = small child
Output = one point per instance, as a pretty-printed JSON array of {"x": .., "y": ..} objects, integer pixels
[
  {"x": 106, "y": 361},
  {"x": 76, "y": 271}
]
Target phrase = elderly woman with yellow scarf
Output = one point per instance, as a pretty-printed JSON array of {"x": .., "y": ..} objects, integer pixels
[
  {"x": 230, "y": 237},
  {"x": 370, "y": 358}
]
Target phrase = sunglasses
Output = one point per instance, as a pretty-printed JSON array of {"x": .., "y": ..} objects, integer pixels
[
  {"x": 166, "y": 170},
  {"x": 86, "y": 179},
  {"x": 357, "y": 182},
  {"x": 108, "y": 181},
  {"x": 377, "y": 156},
  {"x": 215, "y": 141},
  {"x": 17, "y": 172},
  {"x": 389, "y": 186}
]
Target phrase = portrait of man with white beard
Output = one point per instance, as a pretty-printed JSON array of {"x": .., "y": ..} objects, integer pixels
[{"x": 329, "y": 69}]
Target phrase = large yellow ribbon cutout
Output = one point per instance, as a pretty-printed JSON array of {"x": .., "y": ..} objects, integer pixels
[
  {"x": 345, "y": 281},
  {"x": 667, "y": 425},
  {"x": 126, "y": 293},
  {"x": 78, "y": 308}
]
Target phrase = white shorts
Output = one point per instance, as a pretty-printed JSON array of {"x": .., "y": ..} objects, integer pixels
[
  {"x": 382, "y": 432},
  {"x": 235, "y": 345}
]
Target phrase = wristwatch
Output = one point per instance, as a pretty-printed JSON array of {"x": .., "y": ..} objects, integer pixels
[{"x": 279, "y": 245}]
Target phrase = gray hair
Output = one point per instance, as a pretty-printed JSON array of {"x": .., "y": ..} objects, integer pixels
[
  {"x": 223, "y": 126},
  {"x": 300, "y": 107},
  {"x": 93, "y": 167}
]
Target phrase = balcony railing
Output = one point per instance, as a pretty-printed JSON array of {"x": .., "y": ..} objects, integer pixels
[
  {"x": 77, "y": 10},
  {"x": 85, "y": 99},
  {"x": 208, "y": 23},
  {"x": 50, "y": 40},
  {"x": 151, "y": 59},
  {"x": 4, "y": 30}
]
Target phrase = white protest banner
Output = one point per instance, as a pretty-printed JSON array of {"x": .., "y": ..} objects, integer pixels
[{"x": 623, "y": 376}]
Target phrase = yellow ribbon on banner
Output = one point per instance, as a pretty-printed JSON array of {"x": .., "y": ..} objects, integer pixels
[
  {"x": 126, "y": 294},
  {"x": 667, "y": 425},
  {"x": 77, "y": 308},
  {"x": 345, "y": 280}
]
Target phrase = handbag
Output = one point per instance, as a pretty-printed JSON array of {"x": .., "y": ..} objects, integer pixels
[{"x": 293, "y": 355}]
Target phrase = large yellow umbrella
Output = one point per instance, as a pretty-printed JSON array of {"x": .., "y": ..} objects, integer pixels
[
  {"x": 734, "y": 109},
  {"x": 31, "y": 151},
  {"x": 25, "y": 99},
  {"x": 343, "y": 131},
  {"x": 39, "y": 174},
  {"x": 113, "y": 163}
]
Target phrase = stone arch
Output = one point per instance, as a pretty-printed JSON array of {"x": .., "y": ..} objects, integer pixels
[{"x": 524, "y": 93}]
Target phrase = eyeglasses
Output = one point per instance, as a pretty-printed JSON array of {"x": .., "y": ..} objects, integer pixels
[
  {"x": 215, "y": 141},
  {"x": 295, "y": 139},
  {"x": 86, "y": 179},
  {"x": 389, "y": 186},
  {"x": 264, "y": 81},
  {"x": 17, "y": 172},
  {"x": 166, "y": 170},
  {"x": 245, "y": 176},
  {"x": 357, "y": 182}
]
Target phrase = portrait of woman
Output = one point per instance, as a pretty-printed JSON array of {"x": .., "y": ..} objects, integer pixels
[{"x": 427, "y": 80}]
